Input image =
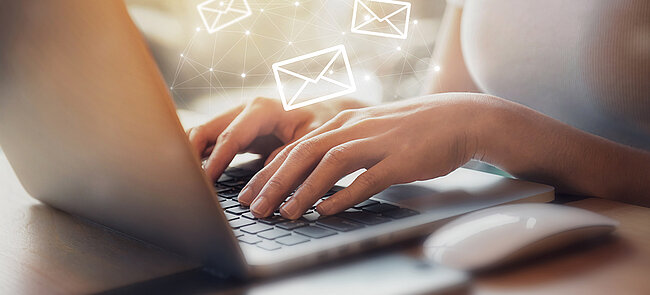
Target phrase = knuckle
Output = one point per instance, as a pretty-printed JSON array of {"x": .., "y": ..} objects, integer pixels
[
  {"x": 274, "y": 184},
  {"x": 345, "y": 197},
  {"x": 307, "y": 188},
  {"x": 198, "y": 131},
  {"x": 305, "y": 149},
  {"x": 367, "y": 180},
  {"x": 337, "y": 155},
  {"x": 368, "y": 122},
  {"x": 259, "y": 101},
  {"x": 345, "y": 115},
  {"x": 225, "y": 136}
]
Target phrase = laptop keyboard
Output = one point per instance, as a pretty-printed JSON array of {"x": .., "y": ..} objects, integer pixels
[{"x": 275, "y": 232}]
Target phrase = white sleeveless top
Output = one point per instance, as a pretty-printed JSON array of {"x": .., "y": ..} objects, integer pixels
[{"x": 584, "y": 62}]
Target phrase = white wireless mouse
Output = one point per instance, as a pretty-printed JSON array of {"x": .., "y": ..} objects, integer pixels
[{"x": 502, "y": 234}]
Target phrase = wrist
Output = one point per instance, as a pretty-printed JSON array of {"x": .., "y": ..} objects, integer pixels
[{"x": 489, "y": 128}]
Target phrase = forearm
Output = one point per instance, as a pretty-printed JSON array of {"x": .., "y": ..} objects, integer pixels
[
  {"x": 533, "y": 146},
  {"x": 447, "y": 69}
]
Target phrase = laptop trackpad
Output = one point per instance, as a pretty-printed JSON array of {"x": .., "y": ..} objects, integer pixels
[{"x": 463, "y": 189}]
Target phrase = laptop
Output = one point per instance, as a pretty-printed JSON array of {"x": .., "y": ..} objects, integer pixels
[{"x": 124, "y": 162}]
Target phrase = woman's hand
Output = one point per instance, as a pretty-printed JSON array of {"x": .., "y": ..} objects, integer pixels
[
  {"x": 261, "y": 126},
  {"x": 412, "y": 140}
]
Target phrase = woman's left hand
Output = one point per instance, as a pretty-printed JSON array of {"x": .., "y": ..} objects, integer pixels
[{"x": 402, "y": 142}]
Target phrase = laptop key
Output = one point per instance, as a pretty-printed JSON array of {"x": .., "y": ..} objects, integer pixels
[
  {"x": 230, "y": 216},
  {"x": 365, "y": 203},
  {"x": 315, "y": 232},
  {"x": 255, "y": 228},
  {"x": 293, "y": 224},
  {"x": 380, "y": 208},
  {"x": 223, "y": 178},
  {"x": 249, "y": 239},
  {"x": 234, "y": 183},
  {"x": 237, "y": 223},
  {"x": 238, "y": 209},
  {"x": 340, "y": 224},
  {"x": 238, "y": 233},
  {"x": 221, "y": 188},
  {"x": 228, "y": 204},
  {"x": 273, "y": 234},
  {"x": 273, "y": 219},
  {"x": 268, "y": 245},
  {"x": 291, "y": 240},
  {"x": 399, "y": 213},
  {"x": 312, "y": 216},
  {"x": 249, "y": 215},
  {"x": 239, "y": 172},
  {"x": 363, "y": 217},
  {"x": 229, "y": 194}
]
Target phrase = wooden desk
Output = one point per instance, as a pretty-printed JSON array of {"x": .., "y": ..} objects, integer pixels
[{"x": 43, "y": 250}]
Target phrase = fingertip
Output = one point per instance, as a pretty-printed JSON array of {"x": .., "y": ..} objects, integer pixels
[
  {"x": 324, "y": 208},
  {"x": 290, "y": 210},
  {"x": 245, "y": 196}
]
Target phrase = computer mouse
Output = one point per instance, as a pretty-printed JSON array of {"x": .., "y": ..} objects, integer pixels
[{"x": 500, "y": 235}]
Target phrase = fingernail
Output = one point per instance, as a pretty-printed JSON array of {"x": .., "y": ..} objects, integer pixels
[
  {"x": 259, "y": 206},
  {"x": 289, "y": 209},
  {"x": 245, "y": 196},
  {"x": 323, "y": 208}
]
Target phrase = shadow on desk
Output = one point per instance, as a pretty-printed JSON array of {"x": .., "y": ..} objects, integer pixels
[{"x": 53, "y": 252}]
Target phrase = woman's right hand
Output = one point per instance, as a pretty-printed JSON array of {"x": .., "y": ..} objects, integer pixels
[{"x": 260, "y": 126}]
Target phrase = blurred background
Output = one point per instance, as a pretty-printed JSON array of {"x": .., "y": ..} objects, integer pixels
[{"x": 205, "y": 72}]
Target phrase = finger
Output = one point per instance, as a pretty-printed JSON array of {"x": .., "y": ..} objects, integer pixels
[
  {"x": 337, "y": 162},
  {"x": 204, "y": 136},
  {"x": 255, "y": 185},
  {"x": 248, "y": 125},
  {"x": 369, "y": 183},
  {"x": 300, "y": 161},
  {"x": 273, "y": 154}
]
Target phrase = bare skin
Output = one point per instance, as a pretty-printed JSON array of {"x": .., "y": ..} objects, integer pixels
[
  {"x": 418, "y": 139},
  {"x": 312, "y": 147}
]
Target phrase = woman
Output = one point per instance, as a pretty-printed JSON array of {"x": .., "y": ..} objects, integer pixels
[
  {"x": 517, "y": 49},
  {"x": 585, "y": 63}
]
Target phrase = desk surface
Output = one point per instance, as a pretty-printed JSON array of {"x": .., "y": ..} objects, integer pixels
[{"x": 43, "y": 250}]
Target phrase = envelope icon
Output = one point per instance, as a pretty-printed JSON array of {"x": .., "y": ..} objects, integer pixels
[
  {"x": 385, "y": 18},
  {"x": 218, "y": 14},
  {"x": 314, "y": 77}
]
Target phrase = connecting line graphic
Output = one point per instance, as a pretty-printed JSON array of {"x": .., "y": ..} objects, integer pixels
[{"x": 235, "y": 62}]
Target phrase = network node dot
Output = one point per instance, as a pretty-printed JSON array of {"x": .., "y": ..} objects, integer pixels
[
  {"x": 399, "y": 48},
  {"x": 415, "y": 22},
  {"x": 211, "y": 69},
  {"x": 436, "y": 68},
  {"x": 243, "y": 75},
  {"x": 182, "y": 55},
  {"x": 248, "y": 32},
  {"x": 296, "y": 3}
]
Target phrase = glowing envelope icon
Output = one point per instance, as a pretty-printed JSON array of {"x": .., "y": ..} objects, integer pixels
[
  {"x": 384, "y": 18},
  {"x": 314, "y": 77},
  {"x": 218, "y": 14}
]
